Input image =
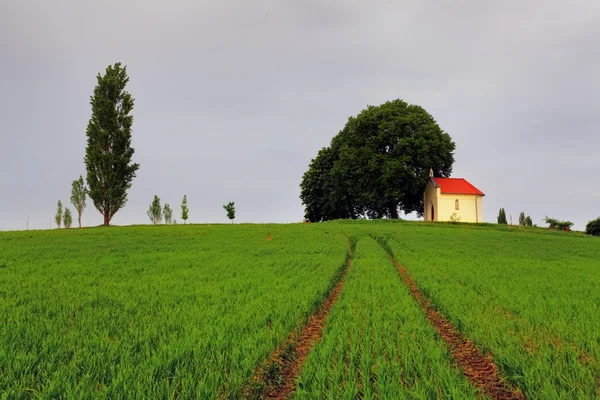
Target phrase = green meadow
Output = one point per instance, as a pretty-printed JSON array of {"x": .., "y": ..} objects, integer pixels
[{"x": 191, "y": 311}]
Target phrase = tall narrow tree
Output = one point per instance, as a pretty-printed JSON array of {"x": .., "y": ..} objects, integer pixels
[
  {"x": 78, "y": 193},
  {"x": 155, "y": 211},
  {"x": 184, "y": 209},
  {"x": 502, "y": 217},
  {"x": 68, "y": 219},
  {"x": 168, "y": 214},
  {"x": 108, "y": 153},
  {"x": 59, "y": 214},
  {"x": 522, "y": 219}
]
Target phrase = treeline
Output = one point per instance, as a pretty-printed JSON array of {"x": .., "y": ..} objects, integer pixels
[
  {"x": 523, "y": 220},
  {"x": 592, "y": 227},
  {"x": 157, "y": 213}
]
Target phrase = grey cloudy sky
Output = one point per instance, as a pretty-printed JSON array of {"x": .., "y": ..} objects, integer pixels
[{"x": 234, "y": 98}]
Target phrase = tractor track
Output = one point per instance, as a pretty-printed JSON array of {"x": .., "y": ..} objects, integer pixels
[
  {"x": 477, "y": 367},
  {"x": 276, "y": 378}
]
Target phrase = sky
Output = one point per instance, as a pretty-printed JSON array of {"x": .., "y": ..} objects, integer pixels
[{"x": 234, "y": 98}]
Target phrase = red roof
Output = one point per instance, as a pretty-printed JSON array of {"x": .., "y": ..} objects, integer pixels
[{"x": 457, "y": 186}]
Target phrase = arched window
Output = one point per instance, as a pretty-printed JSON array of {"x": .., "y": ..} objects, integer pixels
[{"x": 456, "y": 204}]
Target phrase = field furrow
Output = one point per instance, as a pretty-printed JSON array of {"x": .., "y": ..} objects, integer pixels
[
  {"x": 378, "y": 343},
  {"x": 480, "y": 369},
  {"x": 529, "y": 299},
  {"x": 276, "y": 378}
]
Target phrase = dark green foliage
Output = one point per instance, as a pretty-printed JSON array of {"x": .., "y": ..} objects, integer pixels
[
  {"x": 557, "y": 224},
  {"x": 593, "y": 227},
  {"x": 108, "y": 153},
  {"x": 184, "y": 209},
  {"x": 168, "y": 214},
  {"x": 528, "y": 221},
  {"x": 155, "y": 211},
  {"x": 59, "y": 214},
  {"x": 522, "y": 219},
  {"x": 78, "y": 193},
  {"x": 378, "y": 164},
  {"x": 68, "y": 218},
  {"x": 230, "y": 209},
  {"x": 502, "y": 217}
]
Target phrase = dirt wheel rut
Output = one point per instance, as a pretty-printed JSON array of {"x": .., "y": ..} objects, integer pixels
[
  {"x": 276, "y": 378},
  {"x": 480, "y": 369}
]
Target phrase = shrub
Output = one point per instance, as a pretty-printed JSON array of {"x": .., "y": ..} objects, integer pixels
[
  {"x": 454, "y": 217},
  {"x": 554, "y": 223},
  {"x": 593, "y": 227}
]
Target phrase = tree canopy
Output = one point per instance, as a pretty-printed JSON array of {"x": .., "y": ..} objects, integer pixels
[
  {"x": 377, "y": 165},
  {"x": 108, "y": 153}
]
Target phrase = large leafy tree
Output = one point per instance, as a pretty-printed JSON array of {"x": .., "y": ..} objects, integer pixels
[
  {"x": 108, "y": 153},
  {"x": 377, "y": 165}
]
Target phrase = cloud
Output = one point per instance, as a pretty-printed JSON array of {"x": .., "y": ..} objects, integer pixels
[{"x": 233, "y": 98}]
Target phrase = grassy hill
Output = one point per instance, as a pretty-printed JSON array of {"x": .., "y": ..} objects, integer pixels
[{"x": 194, "y": 311}]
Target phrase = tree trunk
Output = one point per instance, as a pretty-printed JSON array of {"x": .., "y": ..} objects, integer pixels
[
  {"x": 106, "y": 218},
  {"x": 79, "y": 220},
  {"x": 394, "y": 211}
]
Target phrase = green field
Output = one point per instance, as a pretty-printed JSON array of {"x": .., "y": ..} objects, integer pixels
[{"x": 193, "y": 311}]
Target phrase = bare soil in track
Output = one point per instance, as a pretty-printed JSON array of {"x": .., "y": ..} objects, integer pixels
[
  {"x": 276, "y": 379},
  {"x": 480, "y": 369}
]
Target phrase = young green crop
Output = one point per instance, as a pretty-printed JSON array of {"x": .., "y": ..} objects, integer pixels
[
  {"x": 531, "y": 300},
  {"x": 378, "y": 342},
  {"x": 192, "y": 311},
  {"x": 155, "y": 312}
]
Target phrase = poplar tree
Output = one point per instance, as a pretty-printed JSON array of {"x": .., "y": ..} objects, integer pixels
[
  {"x": 168, "y": 214},
  {"x": 68, "y": 218},
  {"x": 59, "y": 214},
  {"x": 78, "y": 194},
  {"x": 155, "y": 211},
  {"x": 184, "y": 209},
  {"x": 108, "y": 153}
]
